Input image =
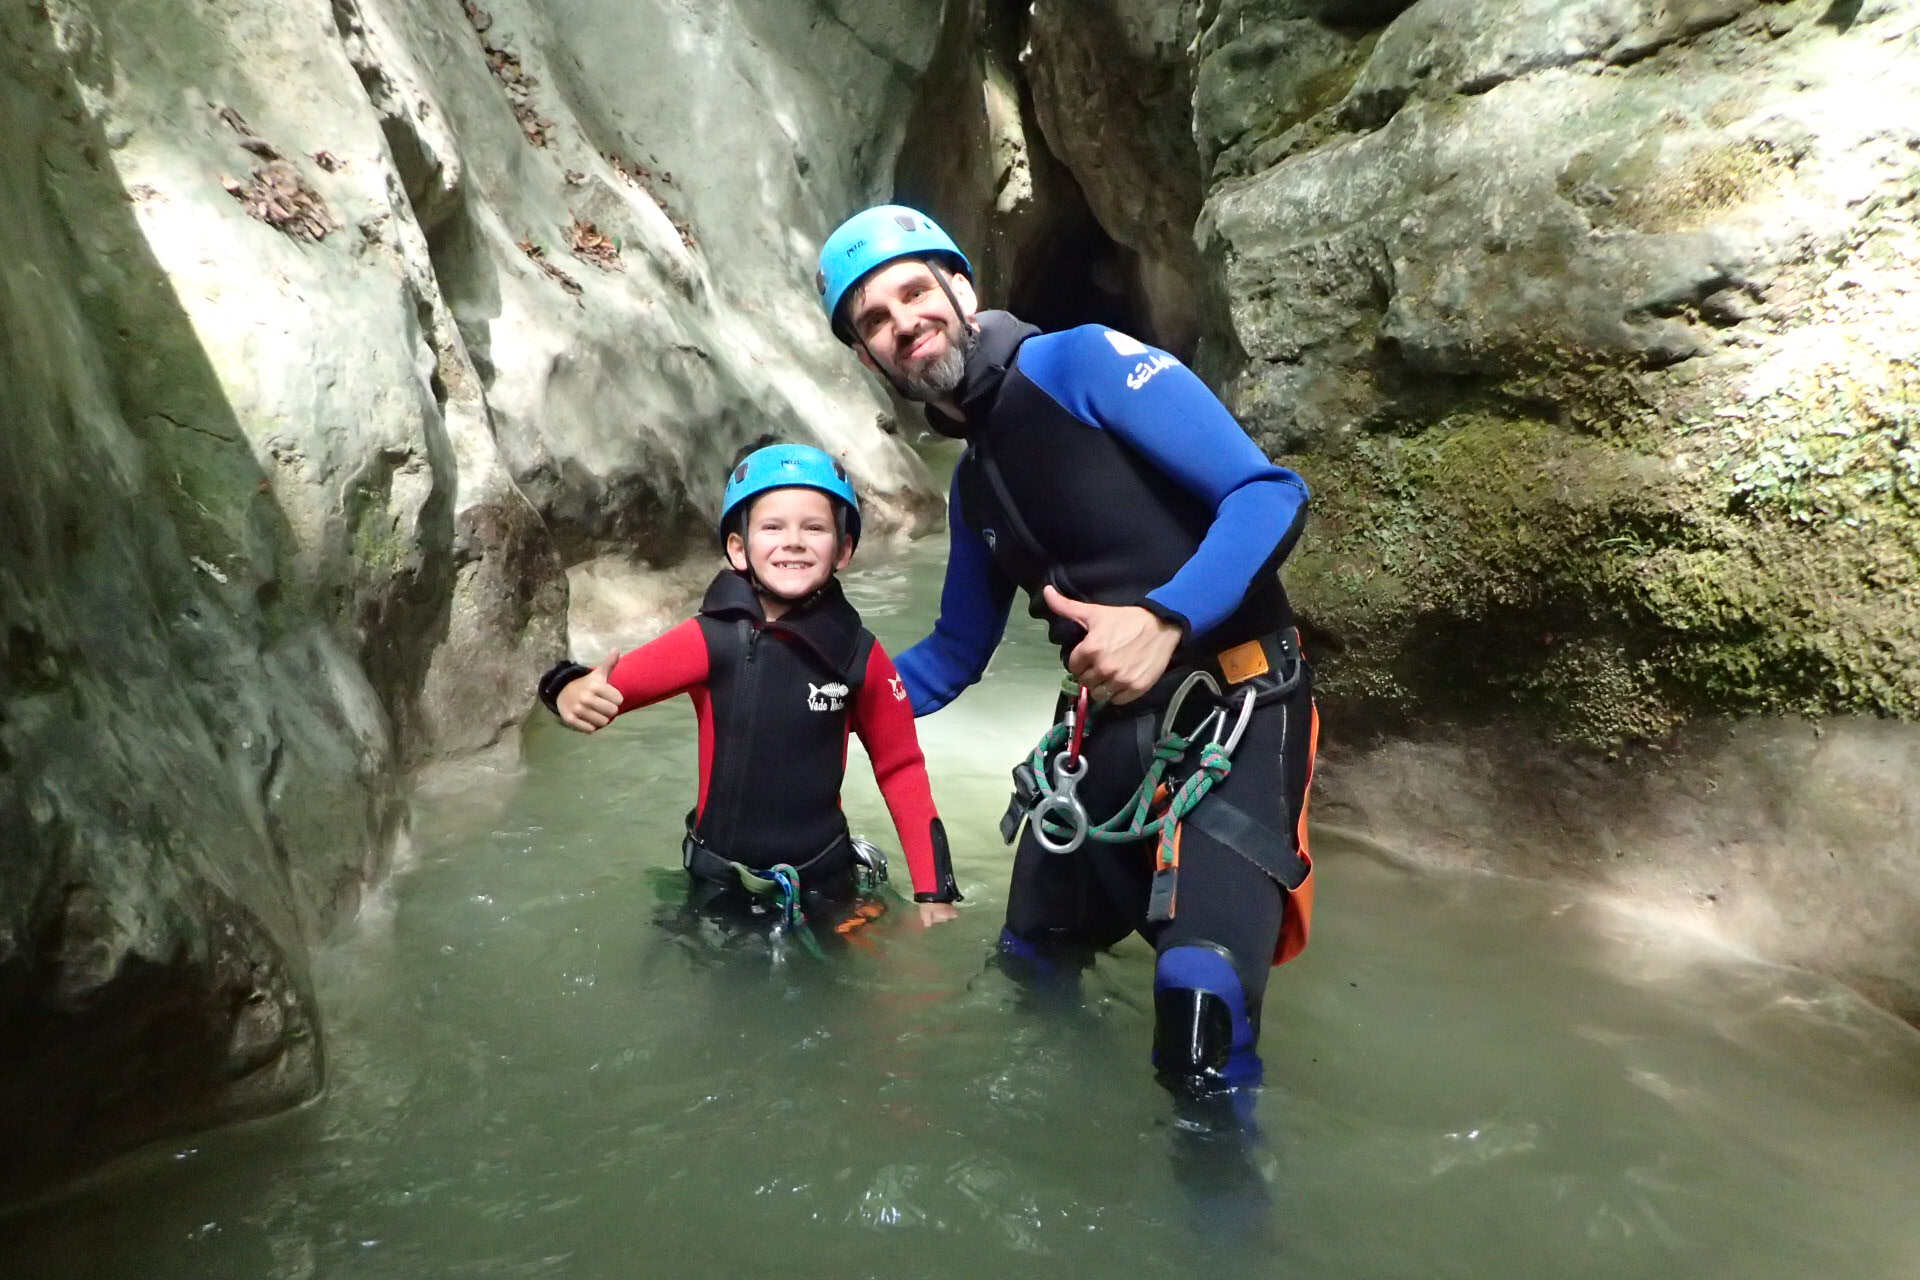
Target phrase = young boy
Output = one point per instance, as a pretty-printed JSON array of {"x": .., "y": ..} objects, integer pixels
[{"x": 779, "y": 670}]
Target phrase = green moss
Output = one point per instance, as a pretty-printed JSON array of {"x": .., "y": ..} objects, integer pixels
[
  {"x": 379, "y": 550},
  {"x": 1711, "y": 180},
  {"x": 1495, "y": 565}
]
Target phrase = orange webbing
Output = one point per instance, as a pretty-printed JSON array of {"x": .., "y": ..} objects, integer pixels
[
  {"x": 1299, "y": 911},
  {"x": 862, "y": 915}
]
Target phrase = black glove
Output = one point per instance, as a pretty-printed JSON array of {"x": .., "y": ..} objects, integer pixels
[{"x": 558, "y": 677}]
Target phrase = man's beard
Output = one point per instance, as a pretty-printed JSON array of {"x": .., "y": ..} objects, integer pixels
[{"x": 939, "y": 379}]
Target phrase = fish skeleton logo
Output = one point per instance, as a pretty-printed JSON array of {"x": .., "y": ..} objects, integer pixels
[
  {"x": 899, "y": 689},
  {"x": 826, "y": 697}
]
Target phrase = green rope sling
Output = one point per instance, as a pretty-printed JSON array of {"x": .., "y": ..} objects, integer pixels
[{"x": 1133, "y": 820}]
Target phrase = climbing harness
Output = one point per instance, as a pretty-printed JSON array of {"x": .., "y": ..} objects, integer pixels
[
  {"x": 779, "y": 887},
  {"x": 781, "y": 882},
  {"x": 1046, "y": 784},
  {"x": 1049, "y": 800}
]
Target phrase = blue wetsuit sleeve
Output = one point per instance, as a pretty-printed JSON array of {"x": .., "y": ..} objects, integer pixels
[
  {"x": 974, "y": 601},
  {"x": 1162, "y": 410}
]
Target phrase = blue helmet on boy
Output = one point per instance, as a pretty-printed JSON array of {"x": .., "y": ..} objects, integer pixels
[
  {"x": 788, "y": 466},
  {"x": 872, "y": 238}
]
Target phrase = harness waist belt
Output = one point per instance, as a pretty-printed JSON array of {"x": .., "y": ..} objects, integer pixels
[
  {"x": 1278, "y": 663},
  {"x": 704, "y": 862}
]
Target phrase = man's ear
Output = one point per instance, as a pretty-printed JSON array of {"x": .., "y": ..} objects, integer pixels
[
  {"x": 846, "y": 553},
  {"x": 737, "y": 552},
  {"x": 963, "y": 294},
  {"x": 860, "y": 349}
]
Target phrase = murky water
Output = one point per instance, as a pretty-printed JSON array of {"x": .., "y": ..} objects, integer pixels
[{"x": 540, "y": 1069}]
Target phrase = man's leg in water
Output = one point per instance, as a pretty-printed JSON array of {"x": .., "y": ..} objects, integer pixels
[
  {"x": 1214, "y": 956},
  {"x": 1061, "y": 907},
  {"x": 1210, "y": 972}
]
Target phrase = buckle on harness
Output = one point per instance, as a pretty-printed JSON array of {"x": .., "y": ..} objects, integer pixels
[
  {"x": 1026, "y": 793},
  {"x": 869, "y": 864}
]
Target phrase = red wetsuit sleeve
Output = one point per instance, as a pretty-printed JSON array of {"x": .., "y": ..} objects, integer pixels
[
  {"x": 883, "y": 718},
  {"x": 675, "y": 662}
]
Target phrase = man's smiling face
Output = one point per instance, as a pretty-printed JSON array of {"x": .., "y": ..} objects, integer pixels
[{"x": 908, "y": 328}]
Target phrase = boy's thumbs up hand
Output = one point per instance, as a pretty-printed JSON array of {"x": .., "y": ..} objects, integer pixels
[
  {"x": 1127, "y": 648},
  {"x": 591, "y": 702}
]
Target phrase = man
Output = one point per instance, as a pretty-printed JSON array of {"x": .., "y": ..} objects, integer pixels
[{"x": 1104, "y": 478}]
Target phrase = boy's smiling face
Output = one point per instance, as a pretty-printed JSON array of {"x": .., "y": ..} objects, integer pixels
[{"x": 792, "y": 543}]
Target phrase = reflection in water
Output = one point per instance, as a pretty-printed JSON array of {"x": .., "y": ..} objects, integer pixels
[{"x": 542, "y": 1066}]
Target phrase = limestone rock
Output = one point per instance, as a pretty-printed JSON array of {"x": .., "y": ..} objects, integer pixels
[
  {"x": 1111, "y": 88},
  {"x": 1589, "y": 326},
  {"x": 1782, "y": 839},
  {"x": 335, "y": 331},
  {"x": 1598, "y": 366}
]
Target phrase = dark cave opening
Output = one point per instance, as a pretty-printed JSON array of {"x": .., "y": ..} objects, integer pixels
[{"x": 1076, "y": 274}]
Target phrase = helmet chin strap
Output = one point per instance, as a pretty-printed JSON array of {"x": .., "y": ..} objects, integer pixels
[
  {"x": 753, "y": 578},
  {"x": 761, "y": 588}
]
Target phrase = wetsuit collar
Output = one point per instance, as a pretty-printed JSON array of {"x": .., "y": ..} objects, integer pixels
[
  {"x": 1001, "y": 334},
  {"x": 824, "y": 621}
]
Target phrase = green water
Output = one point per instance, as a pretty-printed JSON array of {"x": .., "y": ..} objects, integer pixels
[{"x": 539, "y": 1069}]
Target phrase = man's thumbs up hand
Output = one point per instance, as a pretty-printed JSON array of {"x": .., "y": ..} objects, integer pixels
[{"x": 1126, "y": 650}]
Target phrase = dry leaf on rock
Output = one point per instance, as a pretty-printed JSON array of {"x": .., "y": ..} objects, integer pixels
[
  {"x": 234, "y": 121},
  {"x": 275, "y": 195},
  {"x": 506, "y": 68},
  {"x": 539, "y": 257},
  {"x": 645, "y": 179},
  {"x": 589, "y": 242}
]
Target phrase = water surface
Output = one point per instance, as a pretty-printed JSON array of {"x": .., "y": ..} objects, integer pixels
[{"x": 541, "y": 1068}]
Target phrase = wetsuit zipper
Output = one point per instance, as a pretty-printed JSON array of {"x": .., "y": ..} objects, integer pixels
[{"x": 746, "y": 698}]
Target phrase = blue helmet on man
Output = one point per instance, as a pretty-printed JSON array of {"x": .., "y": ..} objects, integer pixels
[
  {"x": 872, "y": 238},
  {"x": 787, "y": 466}
]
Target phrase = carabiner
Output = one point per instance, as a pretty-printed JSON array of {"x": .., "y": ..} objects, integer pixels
[
  {"x": 1077, "y": 722},
  {"x": 1214, "y": 723},
  {"x": 1066, "y": 781},
  {"x": 1239, "y": 725},
  {"x": 1172, "y": 716}
]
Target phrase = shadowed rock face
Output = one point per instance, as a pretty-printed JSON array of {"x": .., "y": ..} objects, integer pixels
[{"x": 335, "y": 334}]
